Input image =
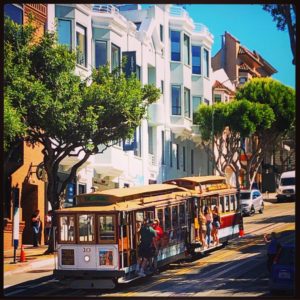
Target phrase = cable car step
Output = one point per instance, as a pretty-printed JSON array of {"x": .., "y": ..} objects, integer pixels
[{"x": 202, "y": 250}]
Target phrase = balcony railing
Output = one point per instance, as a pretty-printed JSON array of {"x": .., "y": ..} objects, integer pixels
[{"x": 108, "y": 8}]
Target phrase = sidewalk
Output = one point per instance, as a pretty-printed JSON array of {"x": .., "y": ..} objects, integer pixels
[{"x": 34, "y": 258}]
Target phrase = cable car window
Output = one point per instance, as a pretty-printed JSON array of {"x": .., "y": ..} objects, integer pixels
[
  {"x": 67, "y": 228},
  {"x": 227, "y": 203},
  {"x": 86, "y": 228},
  {"x": 233, "y": 202},
  {"x": 181, "y": 215},
  {"x": 214, "y": 202},
  {"x": 204, "y": 202},
  {"x": 175, "y": 216},
  {"x": 222, "y": 205},
  {"x": 139, "y": 216},
  {"x": 150, "y": 215},
  {"x": 106, "y": 226},
  {"x": 167, "y": 218},
  {"x": 160, "y": 216}
]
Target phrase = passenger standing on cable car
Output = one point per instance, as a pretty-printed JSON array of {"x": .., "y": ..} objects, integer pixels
[
  {"x": 208, "y": 217},
  {"x": 216, "y": 224},
  {"x": 159, "y": 236},
  {"x": 148, "y": 238},
  {"x": 202, "y": 229}
]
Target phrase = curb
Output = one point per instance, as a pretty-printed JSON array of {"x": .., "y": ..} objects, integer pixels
[{"x": 32, "y": 265}]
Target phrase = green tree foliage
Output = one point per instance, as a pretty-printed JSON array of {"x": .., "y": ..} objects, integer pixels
[
  {"x": 225, "y": 124},
  {"x": 67, "y": 115},
  {"x": 285, "y": 17},
  {"x": 14, "y": 128},
  {"x": 282, "y": 100}
]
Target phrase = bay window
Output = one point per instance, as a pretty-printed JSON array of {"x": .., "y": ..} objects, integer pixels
[
  {"x": 175, "y": 45},
  {"x": 176, "y": 100},
  {"x": 196, "y": 59},
  {"x": 100, "y": 53},
  {"x": 81, "y": 43}
]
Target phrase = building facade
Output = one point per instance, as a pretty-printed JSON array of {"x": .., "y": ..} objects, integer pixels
[
  {"x": 24, "y": 193},
  {"x": 168, "y": 50}
]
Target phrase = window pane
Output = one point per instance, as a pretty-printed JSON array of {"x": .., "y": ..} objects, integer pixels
[
  {"x": 186, "y": 49},
  {"x": 175, "y": 216},
  {"x": 160, "y": 216},
  {"x": 187, "y": 103},
  {"x": 222, "y": 204},
  {"x": 161, "y": 31},
  {"x": 196, "y": 59},
  {"x": 177, "y": 156},
  {"x": 233, "y": 202},
  {"x": 167, "y": 218},
  {"x": 100, "y": 53},
  {"x": 227, "y": 203},
  {"x": 175, "y": 45},
  {"x": 206, "y": 63},
  {"x": 67, "y": 228},
  {"x": 64, "y": 32},
  {"x": 106, "y": 228},
  {"x": 115, "y": 57},
  {"x": 138, "y": 72},
  {"x": 81, "y": 45},
  {"x": 14, "y": 12},
  {"x": 217, "y": 98},
  {"x": 196, "y": 103},
  {"x": 86, "y": 228},
  {"x": 181, "y": 214},
  {"x": 176, "y": 100}
]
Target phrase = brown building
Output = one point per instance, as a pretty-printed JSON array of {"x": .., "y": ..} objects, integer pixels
[
  {"x": 239, "y": 63},
  {"x": 23, "y": 191}
]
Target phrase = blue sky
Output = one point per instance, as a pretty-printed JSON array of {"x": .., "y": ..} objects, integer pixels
[{"x": 255, "y": 30}]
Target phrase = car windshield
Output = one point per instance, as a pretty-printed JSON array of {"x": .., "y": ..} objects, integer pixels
[
  {"x": 288, "y": 181},
  {"x": 287, "y": 256},
  {"x": 245, "y": 196}
]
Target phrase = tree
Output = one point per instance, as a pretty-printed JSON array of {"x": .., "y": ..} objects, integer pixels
[
  {"x": 285, "y": 16},
  {"x": 67, "y": 115},
  {"x": 281, "y": 99},
  {"x": 225, "y": 125}
]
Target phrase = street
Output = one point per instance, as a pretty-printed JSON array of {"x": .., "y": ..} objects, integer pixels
[{"x": 238, "y": 269}]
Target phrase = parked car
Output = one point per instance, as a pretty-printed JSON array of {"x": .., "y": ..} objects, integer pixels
[
  {"x": 282, "y": 277},
  {"x": 251, "y": 201},
  {"x": 287, "y": 186}
]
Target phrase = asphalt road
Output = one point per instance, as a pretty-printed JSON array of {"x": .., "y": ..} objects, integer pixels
[{"x": 239, "y": 269}]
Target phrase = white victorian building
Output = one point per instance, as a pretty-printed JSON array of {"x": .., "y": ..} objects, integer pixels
[{"x": 167, "y": 48}]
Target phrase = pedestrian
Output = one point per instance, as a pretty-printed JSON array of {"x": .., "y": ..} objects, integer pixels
[
  {"x": 273, "y": 248},
  {"x": 216, "y": 224},
  {"x": 208, "y": 217},
  {"x": 202, "y": 229},
  {"x": 48, "y": 226},
  {"x": 148, "y": 235},
  {"x": 35, "y": 223},
  {"x": 159, "y": 235}
]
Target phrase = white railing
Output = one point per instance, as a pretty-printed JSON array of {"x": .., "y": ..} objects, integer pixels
[
  {"x": 105, "y": 8},
  {"x": 177, "y": 11},
  {"x": 199, "y": 27},
  {"x": 108, "y": 9}
]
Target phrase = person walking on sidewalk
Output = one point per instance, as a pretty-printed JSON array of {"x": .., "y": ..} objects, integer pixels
[
  {"x": 35, "y": 223},
  {"x": 48, "y": 225}
]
